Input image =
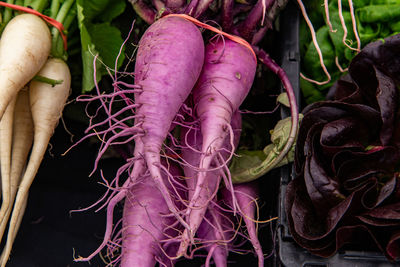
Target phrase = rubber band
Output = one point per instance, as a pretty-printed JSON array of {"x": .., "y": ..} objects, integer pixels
[
  {"x": 232, "y": 37},
  {"x": 49, "y": 20}
]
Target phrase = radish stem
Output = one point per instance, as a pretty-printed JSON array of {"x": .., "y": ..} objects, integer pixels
[
  {"x": 7, "y": 14},
  {"x": 42, "y": 79},
  {"x": 55, "y": 5}
]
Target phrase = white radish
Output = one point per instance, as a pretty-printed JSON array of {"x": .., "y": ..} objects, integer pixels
[
  {"x": 24, "y": 48},
  {"x": 47, "y": 103},
  {"x": 10, "y": 239},
  {"x": 22, "y": 138},
  {"x": 6, "y": 132}
]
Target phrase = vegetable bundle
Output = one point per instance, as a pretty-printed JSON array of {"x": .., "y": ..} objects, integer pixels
[
  {"x": 29, "y": 111},
  {"x": 35, "y": 84},
  {"x": 34, "y": 88},
  {"x": 347, "y": 161},
  {"x": 181, "y": 112}
]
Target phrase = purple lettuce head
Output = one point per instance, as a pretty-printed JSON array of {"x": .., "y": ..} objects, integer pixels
[{"x": 347, "y": 161}]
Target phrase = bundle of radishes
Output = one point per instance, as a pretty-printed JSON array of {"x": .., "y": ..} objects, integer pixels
[
  {"x": 181, "y": 114},
  {"x": 34, "y": 87}
]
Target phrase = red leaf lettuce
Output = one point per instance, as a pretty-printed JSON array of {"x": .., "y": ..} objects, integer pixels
[{"x": 347, "y": 160}]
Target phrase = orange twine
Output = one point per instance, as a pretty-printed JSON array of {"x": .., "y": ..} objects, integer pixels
[
  {"x": 49, "y": 20},
  {"x": 232, "y": 37}
]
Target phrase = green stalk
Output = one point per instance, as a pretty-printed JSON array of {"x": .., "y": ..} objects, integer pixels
[
  {"x": 70, "y": 18},
  {"x": 37, "y": 5},
  {"x": 19, "y": 3},
  {"x": 64, "y": 10},
  {"x": 55, "y": 5},
  {"x": 61, "y": 16},
  {"x": 66, "y": 15},
  {"x": 7, "y": 14},
  {"x": 43, "y": 79}
]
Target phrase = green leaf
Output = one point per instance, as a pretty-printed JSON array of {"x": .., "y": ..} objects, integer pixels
[
  {"x": 250, "y": 165},
  {"x": 113, "y": 10},
  {"x": 385, "y": 2},
  {"x": 311, "y": 58},
  {"x": 395, "y": 26},
  {"x": 247, "y": 159},
  {"x": 311, "y": 92},
  {"x": 360, "y": 3},
  {"x": 369, "y": 32},
  {"x": 98, "y": 37},
  {"x": 283, "y": 99},
  {"x": 337, "y": 35},
  {"x": 101, "y": 10},
  {"x": 379, "y": 13},
  {"x": 107, "y": 40}
]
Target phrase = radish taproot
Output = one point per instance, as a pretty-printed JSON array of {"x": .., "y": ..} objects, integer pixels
[
  {"x": 225, "y": 81},
  {"x": 215, "y": 231},
  {"x": 22, "y": 137},
  {"x": 246, "y": 195},
  {"x": 6, "y": 132},
  {"x": 168, "y": 63},
  {"x": 213, "y": 234},
  {"x": 5, "y": 254},
  {"x": 46, "y": 103},
  {"x": 167, "y": 67},
  {"x": 145, "y": 221},
  {"x": 24, "y": 48},
  {"x": 191, "y": 154}
]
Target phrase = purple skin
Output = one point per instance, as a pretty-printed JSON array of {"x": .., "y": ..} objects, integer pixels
[
  {"x": 168, "y": 64},
  {"x": 200, "y": 206},
  {"x": 246, "y": 195},
  {"x": 227, "y": 15},
  {"x": 248, "y": 27},
  {"x": 225, "y": 81},
  {"x": 190, "y": 8},
  {"x": 214, "y": 237},
  {"x": 218, "y": 232},
  {"x": 158, "y": 4},
  {"x": 165, "y": 86},
  {"x": 175, "y": 4},
  {"x": 167, "y": 259},
  {"x": 202, "y": 7},
  {"x": 144, "y": 224},
  {"x": 211, "y": 183},
  {"x": 147, "y": 13}
]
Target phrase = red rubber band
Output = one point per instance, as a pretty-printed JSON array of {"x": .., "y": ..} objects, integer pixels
[{"x": 49, "y": 20}]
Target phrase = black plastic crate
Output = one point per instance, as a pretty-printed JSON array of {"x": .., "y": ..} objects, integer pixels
[{"x": 289, "y": 253}]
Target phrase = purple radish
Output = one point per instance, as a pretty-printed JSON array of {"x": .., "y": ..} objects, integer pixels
[
  {"x": 144, "y": 222},
  {"x": 211, "y": 181},
  {"x": 246, "y": 195},
  {"x": 212, "y": 233},
  {"x": 168, "y": 63},
  {"x": 226, "y": 79}
]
